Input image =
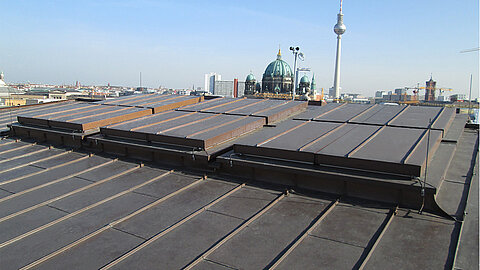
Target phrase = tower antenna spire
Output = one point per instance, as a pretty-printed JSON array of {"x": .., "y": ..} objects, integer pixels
[{"x": 341, "y": 2}]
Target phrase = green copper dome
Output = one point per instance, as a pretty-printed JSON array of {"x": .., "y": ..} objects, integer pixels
[
  {"x": 250, "y": 78},
  {"x": 304, "y": 79},
  {"x": 278, "y": 68}
]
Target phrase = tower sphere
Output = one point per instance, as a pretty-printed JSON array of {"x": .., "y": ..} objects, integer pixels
[{"x": 339, "y": 28}]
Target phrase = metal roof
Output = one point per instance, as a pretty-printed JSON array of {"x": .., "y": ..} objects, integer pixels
[
  {"x": 63, "y": 209},
  {"x": 8, "y": 115},
  {"x": 85, "y": 116},
  {"x": 67, "y": 208}
]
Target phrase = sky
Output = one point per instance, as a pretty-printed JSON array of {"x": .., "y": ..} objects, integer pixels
[{"x": 388, "y": 44}]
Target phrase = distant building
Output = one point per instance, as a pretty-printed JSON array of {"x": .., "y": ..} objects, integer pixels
[
  {"x": 8, "y": 102},
  {"x": 57, "y": 95},
  {"x": 304, "y": 86},
  {"x": 229, "y": 88},
  {"x": 183, "y": 92},
  {"x": 331, "y": 92},
  {"x": 200, "y": 93},
  {"x": 250, "y": 85},
  {"x": 2, "y": 77},
  {"x": 458, "y": 97},
  {"x": 278, "y": 77},
  {"x": 393, "y": 97},
  {"x": 430, "y": 90},
  {"x": 442, "y": 98},
  {"x": 38, "y": 101},
  {"x": 400, "y": 91},
  {"x": 313, "y": 85},
  {"x": 31, "y": 95},
  {"x": 5, "y": 90},
  {"x": 210, "y": 80},
  {"x": 223, "y": 88},
  {"x": 380, "y": 94}
]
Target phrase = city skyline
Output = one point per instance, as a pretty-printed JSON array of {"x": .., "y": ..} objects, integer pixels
[{"x": 387, "y": 45}]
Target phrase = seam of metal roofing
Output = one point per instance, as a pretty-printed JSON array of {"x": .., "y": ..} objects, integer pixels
[
  {"x": 229, "y": 107},
  {"x": 84, "y": 117},
  {"x": 66, "y": 251},
  {"x": 364, "y": 110},
  {"x": 185, "y": 129},
  {"x": 206, "y": 104}
]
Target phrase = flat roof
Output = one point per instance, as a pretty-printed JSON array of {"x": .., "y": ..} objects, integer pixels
[
  {"x": 8, "y": 115},
  {"x": 92, "y": 207},
  {"x": 68, "y": 209}
]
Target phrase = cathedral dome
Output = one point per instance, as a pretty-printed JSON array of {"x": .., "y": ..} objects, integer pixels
[
  {"x": 304, "y": 79},
  {"x": 278, "y": 68},
  {"x": 250, "y": 78}
]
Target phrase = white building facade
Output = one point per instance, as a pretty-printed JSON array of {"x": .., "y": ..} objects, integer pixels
[{"x": 210, "y": 80}]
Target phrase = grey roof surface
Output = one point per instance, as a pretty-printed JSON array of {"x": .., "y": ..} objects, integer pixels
[
  {"x": 271, "y": 110},
  {"x": 148, "y": 100},
  {"x": 372, "y": 137},
  {"x": 81, "y": 116},
  {"x": 62, "y": 209},
  {"x": 85, "y": 117},
  {"x": 9, "y": 115}
]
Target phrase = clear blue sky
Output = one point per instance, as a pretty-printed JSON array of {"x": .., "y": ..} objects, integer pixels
[{"x": 388, "y": 44}]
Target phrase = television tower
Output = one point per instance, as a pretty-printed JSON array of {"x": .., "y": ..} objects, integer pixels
[{"x": 339, "y": 29}]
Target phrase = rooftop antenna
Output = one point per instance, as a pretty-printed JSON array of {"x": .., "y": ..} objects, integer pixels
[
  {"x": 422, "y": 192},
  {"x": 470, "y": 98},
  {"x": 140, "y": 79},
  {"x": 295, "y": 51},
  {"x": 9, "y": 100}
]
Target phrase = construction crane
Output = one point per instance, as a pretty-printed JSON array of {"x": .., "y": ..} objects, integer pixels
[
  {"x": 416, "y": 91},
  {"x": 440, "y": 90},
  {"x": 471, "y": 50}
]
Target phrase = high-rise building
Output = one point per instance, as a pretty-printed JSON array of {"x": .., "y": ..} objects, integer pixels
[
  {"x": 332, "y": 92},
  {"x": 401, "y": 91},
  {"x": 210, "y": 80},
  {"x": 380, "y": 94}
]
